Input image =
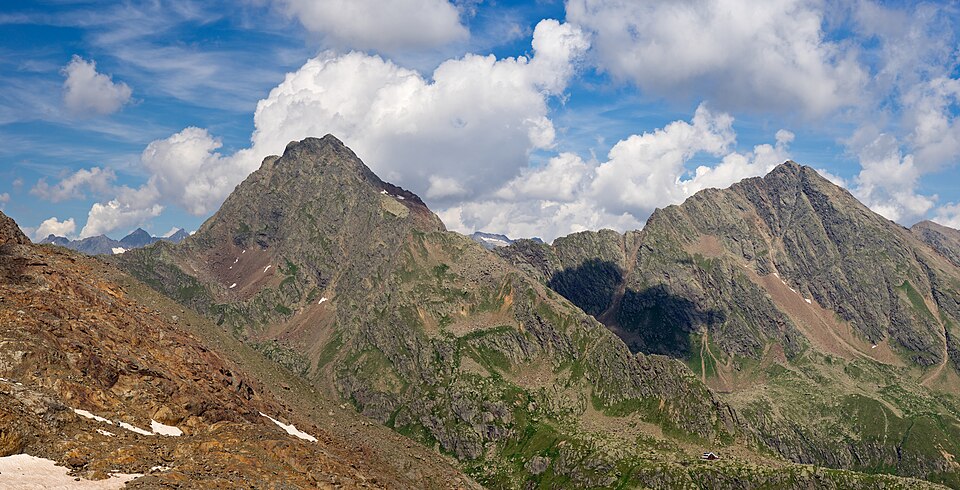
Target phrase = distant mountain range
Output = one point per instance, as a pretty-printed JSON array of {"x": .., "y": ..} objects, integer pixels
[
  {"x": 491, "y": 241},
  {"x": 104, "y": 245}
]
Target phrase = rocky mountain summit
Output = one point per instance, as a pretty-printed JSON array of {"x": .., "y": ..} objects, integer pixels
[
  {"x": 104, "y": 377},
  {"x": 813, "y": 317},
  {"x": 104, "y": 245},
  {"x": 355, "y": 285}
]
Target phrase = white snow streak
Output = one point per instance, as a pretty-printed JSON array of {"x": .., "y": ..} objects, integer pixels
[
  {"x": 291, "y": 429},
  {"x": 133, "y": 428},
  {"x": 165, "y": 430},
  {"x": 233, "y": 285},
  {"x": 84, "y": 413},
  {"x": 118, "y": 250},
  {"x": 322, "y": 300},
  {"x": 265, "y": 269}
]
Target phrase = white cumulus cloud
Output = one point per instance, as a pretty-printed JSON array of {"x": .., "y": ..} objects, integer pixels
[
  {"x": 187, "y": 170},
  {"x": 736, "y": 53},
  {"x": 132, "y": 207},
  {"x": 74, "y": 186},
  {"x": 378, "y": 25},
  {"x": 888, "y": 179},
  {"x": 464, "y": 131},
  {"x": 53, "y": 226},
  {"x": 87, "y": 92},
  {"x": 948, "y": 215}
]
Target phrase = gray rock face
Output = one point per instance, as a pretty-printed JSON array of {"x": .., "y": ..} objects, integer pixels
[{"x": 944, "y": 240}]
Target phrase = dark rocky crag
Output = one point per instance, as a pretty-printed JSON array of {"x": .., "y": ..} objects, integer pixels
[{"x": 354, "y": 284}]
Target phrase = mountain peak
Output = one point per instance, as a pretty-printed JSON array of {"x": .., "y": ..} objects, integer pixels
[{"x": 137, "y": 238}]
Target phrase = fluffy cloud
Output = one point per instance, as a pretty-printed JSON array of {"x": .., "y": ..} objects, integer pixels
[
  {"x": 641, "y": 173},
  {"x": 87, "y": 92},
  {"x": 935, "y": 136},
  {"x": 53, "y": 226},
  {"x": 887, "y": 180},
  {"x": 948, "y": 215},
  {"x": 466, "y": 130},
  {"x": 132, "y": 207},
  {"x": 463, "y": 132},
  {"x": 736, "y": 53},
  {"x": 187, "y": 170},
  {"x": 915, "y": 131},
  {"x": 377, "y": 25},
  {"x": 73, "y": 186}
]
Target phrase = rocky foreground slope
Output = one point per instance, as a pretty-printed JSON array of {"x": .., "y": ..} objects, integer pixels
[
  {"x": 356, "y": 286},
  {"x": 103, "y": 383},
  {"x": 831, "y": 331}
]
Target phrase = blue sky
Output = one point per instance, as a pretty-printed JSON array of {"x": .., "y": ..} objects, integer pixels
[{"x": 528, "y": 118}]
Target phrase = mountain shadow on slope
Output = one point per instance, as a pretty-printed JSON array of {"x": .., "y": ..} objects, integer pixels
[
  {"x": 591, "y": 285},
  {"x": 651, "y": 321},
  {"x": 656, "y": 321}
]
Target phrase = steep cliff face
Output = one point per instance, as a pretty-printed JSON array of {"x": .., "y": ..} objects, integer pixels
[{"x": 784, "y": 283}]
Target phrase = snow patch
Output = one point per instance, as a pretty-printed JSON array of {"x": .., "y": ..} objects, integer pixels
[
  {"x": 265, "y": 269},
  {"x": 86, "y": 414},
  {"x": 401, "y": 198},
  {"x": 236, "y": 260},
  {"x": 30, "y": 472},
  {"x": 118, "y": 250},
  {"x": 159, "y": 468},
  {"x": 133, "y": 428},
  {"x": 322, "y": 300},
  {"x": 874, "y": 346},
  {"x": 106, "y": 433},
  {"x": 233, "y": 285},
  {"x": 384, "y": 192},
  {"x": 291, "y": 429},
  {"x": 164, "y": 429},
  {"x": 243, "y": 252},
  {"x": 808, "y": 301}
]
